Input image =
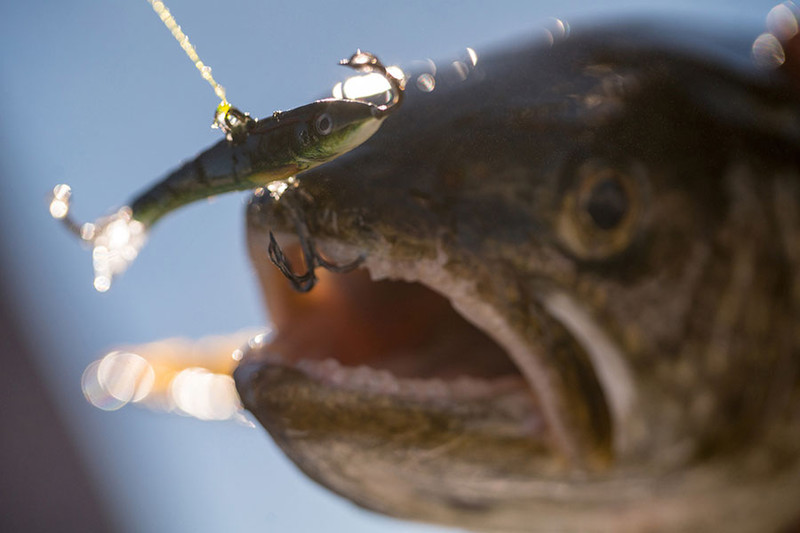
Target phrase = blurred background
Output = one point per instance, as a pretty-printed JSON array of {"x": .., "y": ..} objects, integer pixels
[{"x": 98, "y": 95}]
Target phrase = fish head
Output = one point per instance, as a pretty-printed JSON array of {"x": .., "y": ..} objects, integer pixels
[{"x": 578, "y": 297}]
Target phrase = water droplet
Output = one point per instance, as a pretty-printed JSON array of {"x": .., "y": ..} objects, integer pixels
[
  {"x": 768, "y": 51},
  {"x": 102, "y": 283},
  {"x": 205, "y": 395},
  {"x": 396, "y": 72},
  {"x": 782, "y": 21},
  {"x": 461, "y": 69},
  {"x": 58, "y": 208},
  {"x": 59, "y": 205},
  {"x": 473, "y": 56},
  {"x": 426, "y": 82},
  {"x": 364, "y": 86},
  {"x": 117, "y": 379}
]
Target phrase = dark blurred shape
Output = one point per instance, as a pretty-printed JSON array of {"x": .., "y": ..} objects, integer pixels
[{"x": 43, "y": 485}]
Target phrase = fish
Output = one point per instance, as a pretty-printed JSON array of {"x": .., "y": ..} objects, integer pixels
[{"x": 577, "y": 301}]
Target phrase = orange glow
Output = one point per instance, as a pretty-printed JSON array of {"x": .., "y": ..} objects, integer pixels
[{"x": 177, "y": 375}]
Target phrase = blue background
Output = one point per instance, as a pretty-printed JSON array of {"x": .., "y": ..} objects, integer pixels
[{"x": 97, "y": 94}]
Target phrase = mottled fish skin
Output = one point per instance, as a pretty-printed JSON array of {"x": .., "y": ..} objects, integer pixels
[{"x": 663, "y": 348}]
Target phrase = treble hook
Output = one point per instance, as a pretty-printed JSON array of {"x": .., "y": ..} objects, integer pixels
[
  {"x": 311, "y": 257},
  {"x": 300, "y": 282}
]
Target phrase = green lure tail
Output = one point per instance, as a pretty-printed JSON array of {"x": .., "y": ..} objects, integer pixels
[{"x": 253, "y": 154}]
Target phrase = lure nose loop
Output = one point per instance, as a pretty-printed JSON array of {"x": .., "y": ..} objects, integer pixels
[
  {"x": 234, "y": 123},
  {"x": 366, "y": 62}
]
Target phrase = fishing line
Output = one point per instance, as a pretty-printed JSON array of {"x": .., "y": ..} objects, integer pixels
[{"x": 183, "y": 40}]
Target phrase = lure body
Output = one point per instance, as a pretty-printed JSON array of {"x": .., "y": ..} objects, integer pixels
[
  {"x": 275, "y": 148},
  {"x": 255, "y": 153}
]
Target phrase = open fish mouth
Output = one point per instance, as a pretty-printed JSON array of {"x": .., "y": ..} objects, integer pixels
[
  {"x": 376, "y": 336},
  {"x": 378, "y": 387},
  {"x": 396, "y": 338}
]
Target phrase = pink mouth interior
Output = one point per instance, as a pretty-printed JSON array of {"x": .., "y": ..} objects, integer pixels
[{"x": 404, "y": 328}]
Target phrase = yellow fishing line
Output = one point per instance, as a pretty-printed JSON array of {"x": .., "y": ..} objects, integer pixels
[{"x": 183, "y": 40}]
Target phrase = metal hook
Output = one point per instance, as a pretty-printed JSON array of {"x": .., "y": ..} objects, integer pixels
[
  {"x": 300, "y": 282},
  {"x": 366, "y": 62},
  {"x": 306, "y": 281}
]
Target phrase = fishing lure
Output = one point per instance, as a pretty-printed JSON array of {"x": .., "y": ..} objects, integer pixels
[{"x": 254, "y": 153}]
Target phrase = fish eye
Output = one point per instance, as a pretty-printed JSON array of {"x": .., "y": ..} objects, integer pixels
[
  {"x": 600, "y": 212},
  {"x": 607, "y": 203},
  {"x": 324, "y": 124}
]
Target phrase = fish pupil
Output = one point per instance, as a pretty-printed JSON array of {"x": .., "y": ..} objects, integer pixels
[{"x": 607, "y": 204}]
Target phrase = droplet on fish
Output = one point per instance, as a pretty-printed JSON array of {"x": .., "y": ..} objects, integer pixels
[
  {"x": 426, "y": 82},
  {"x": 59, "y": 205},
  {"x": 768, "y": 52}
]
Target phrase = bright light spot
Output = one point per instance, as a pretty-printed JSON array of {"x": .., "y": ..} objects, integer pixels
[
  {"x": 119, "y": 233},
  {"x": 125, "y": 376},
  {"x": 396, "y": 72},
  {"x": 277, "y": 188},
  {"x": 205, "y": 395},
  {"x": 58, "y": 209},
  {"x": 181, "y": 376},
  {"x": 768, "y": 51},
  {"x": 259, "y": 340},
  {"x": 87, "y": 231},
  {"x": 782, "y": 21},
  {"x": 117, "y": 379},
  {"x": 337, "y": 91},
  {"x": 364, "y": 86},
  {"x": 102, "y": 283},
  {"x": 426, "y": 82},
  {"x": 93, "y": 391},
  {"x": 117, "y": 240},
  {"x": 59, "y": 205},
  {"x": 473, "y": 56}
]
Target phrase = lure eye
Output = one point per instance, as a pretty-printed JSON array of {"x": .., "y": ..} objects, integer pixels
[
  {"x": 601, "y": 211},
  {"x": 324, "y": 124}
]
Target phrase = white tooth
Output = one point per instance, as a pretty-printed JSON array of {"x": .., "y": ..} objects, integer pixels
[
  {"x": 330, "y": 365},
  {"x": 437, "y": 388},
  {"x": 356, "y": 378},
  {"x": 386, "y": 383},
  {"x": 338, "y": 377}
]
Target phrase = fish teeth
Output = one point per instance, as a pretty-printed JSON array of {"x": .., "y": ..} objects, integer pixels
[{"x": 363, "y": 378}]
